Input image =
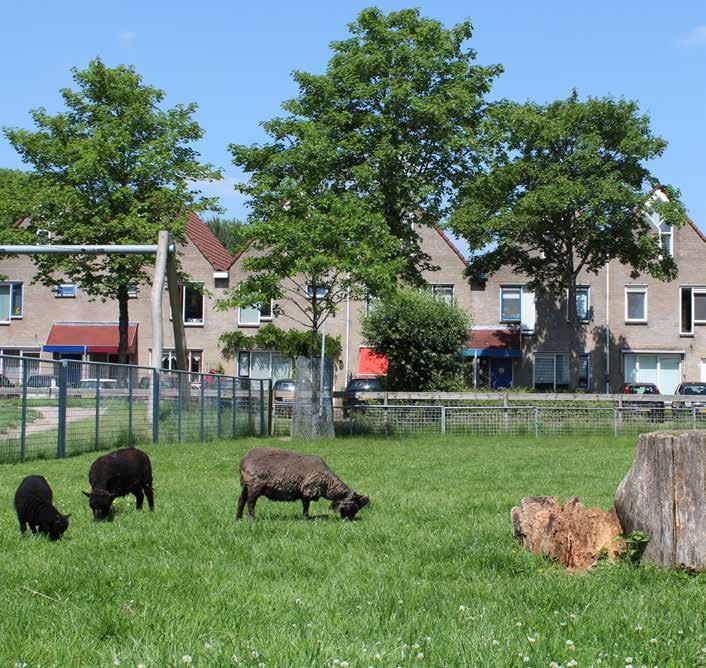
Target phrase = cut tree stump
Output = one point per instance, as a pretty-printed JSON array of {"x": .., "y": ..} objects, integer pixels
[
  {"x": 664, "y": 496},
  {"x": 571, "y": 534}
]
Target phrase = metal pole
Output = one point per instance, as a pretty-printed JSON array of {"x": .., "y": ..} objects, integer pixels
[
  {"x": 202, "y": 433},
  {"x": 160, "y": 268},
  {"x": 250, "y": 425},
  {"x": 61, "y": 431},
  {"x": 98, "y": 407},
  {"x": 270, "y": 408},
  {"x": 180, "y": 406},
  {"x": 262, "y": 408},
  {"x": 23, "y": 423},
  {"x": 130, "y": 384},
  {"x": 218, "y": 406},
  {"x": 155, "y": 405},
  {"x": 233, "y": 417},
  {"x": 693, "y": 417},
  {"x": 615, "y": 421},
  {"x": 443, "y": 419},
  {"x": 112, "y": 249},
  {"x": 536, "y": 422}
]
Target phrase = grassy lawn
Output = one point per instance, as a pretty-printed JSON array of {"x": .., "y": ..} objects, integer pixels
[{"x": 430, "y": 575}]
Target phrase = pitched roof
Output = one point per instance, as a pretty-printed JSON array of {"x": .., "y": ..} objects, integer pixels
[
  {"x": 212, "y": 249},
  {"x": 451, "y": 244}
]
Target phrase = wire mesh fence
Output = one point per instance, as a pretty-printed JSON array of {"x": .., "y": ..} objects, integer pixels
[
  {"x": 58, "y": 408},
  {"x": 538, "y": 417}
]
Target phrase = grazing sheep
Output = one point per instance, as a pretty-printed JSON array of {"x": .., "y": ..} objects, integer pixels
[
  {"x": 283, "y": 475},
  {"x": 34, "y": 507},
  {"x": 119, "y": 473}
]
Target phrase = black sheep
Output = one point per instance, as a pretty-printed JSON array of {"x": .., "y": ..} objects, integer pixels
[
  {"x": 284, "y": 475},
  {"x": 33, "y": 503},
  {"x": 123, "y": 472}
]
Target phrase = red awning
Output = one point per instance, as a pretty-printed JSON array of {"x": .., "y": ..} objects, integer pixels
[
  {"x": 370, "y": 364},
  {"x": 92, "y": 337},
  {"x": 493, "y": 343}
]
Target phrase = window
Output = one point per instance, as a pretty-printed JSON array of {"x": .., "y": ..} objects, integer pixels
[
  {"x": 692, "y": 308},
  {"x": 583, "y": 303},
  {"x": 264, "y": 364},
  {"x": 11, "y": 301},
  {"x": 65, "y": 291},
  {"x": 636, "y": 304},
  {"x": 584, "y": 372},
  {"x": 11, "y": 370},
  {"x": 510, "y": 304},
  {"x": 665, "y": 238},
  {"x": 252, "y": 316},
  {"x": 169, "y": 360},
  {"x": 244, "y": 364},
  {"x": 444, "y": 293},
  {"x": 664, "y": 371},
  {"x": 551, "y": 371},
  {"x": 192, "y": 303}
]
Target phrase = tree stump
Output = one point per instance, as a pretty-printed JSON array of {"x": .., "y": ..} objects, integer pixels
[
  {"x": 571, "y": 534},
  {"x": 664, "y": 495}
]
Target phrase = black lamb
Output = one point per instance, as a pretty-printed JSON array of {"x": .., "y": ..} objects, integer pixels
[
  {"x": 284, "y": 475},
  {"x": 33, "y": 503}
]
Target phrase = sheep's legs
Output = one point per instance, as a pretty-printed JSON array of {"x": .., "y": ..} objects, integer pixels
[
  {"x": 241, "y": 503},
  {"x": 305, "y": 503},
  {"x": 252, "y": 500}
]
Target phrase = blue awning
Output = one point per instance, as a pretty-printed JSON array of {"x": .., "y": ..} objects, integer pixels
[
  {"x": 491, "y": 352},
  {"x": 81, "y": 350}
]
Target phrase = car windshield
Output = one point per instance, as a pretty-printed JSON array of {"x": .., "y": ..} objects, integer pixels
[
  {"x": 284, "y": 385},
  {"x": 360, "y": 384},
  {"x": 696, "y": 388},
  {"x": 644, "y": 389}
]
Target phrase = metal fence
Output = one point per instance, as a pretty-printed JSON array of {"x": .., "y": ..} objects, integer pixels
[
  {"x": 57, "y": 408},
  {"x": 458, "y": 414}
]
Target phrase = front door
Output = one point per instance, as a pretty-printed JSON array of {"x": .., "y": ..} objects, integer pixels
[{"x": 500, "y": 373}]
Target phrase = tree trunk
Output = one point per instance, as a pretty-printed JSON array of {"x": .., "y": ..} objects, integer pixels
[
  {"x": 123, "y": 324},
  {"x": 664, "y": 496}
]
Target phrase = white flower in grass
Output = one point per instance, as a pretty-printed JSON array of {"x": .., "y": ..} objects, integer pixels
[
  {"x": 572, "y": 616},
  {"x": 415, "y": 646},
  {"x": 570, "y": 645},
  {"x": 461, "y": 608},
  {"x": 531, "y": 641},
  {"x": 186, "y": 659},
  {"x": 496, "y": 643},
  {"x": 208, "y": 645},
  {"x": 518, "y": 624},
  {"x": 653, "y": 641},
  {"x": 344, "y": 664},
  {"x": 628, "y": 661},
  {"x": 572, "y": 663},
  {"x": 140, "y": 665},
  {"x": 553, "y": 664},
  {"x": 254, "y": 654},
  {"x": 525, "y": 659},
  {"x": 116, "y": 661},
  {"x": 298, "y": 601},
  {"x": 260, "y": 665},
  {"x": 638, "y": 627},
  {"x": 235, "y": 658},
  {"x": 420, "y": 656}
]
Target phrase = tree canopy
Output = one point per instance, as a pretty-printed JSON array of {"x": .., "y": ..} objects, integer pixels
[
  {"x": 231, "y": 232},
  {"x": 390, "y": 127},
  {"x": 422, "y": 337},
  {"x": 565, "y": 189},
  {"x": 113, "y": 167}
]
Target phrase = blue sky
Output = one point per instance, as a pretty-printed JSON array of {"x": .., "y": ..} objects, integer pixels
[{"x": 234, "y": 60}]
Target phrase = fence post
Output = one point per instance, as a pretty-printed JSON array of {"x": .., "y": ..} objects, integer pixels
[
  {"x": 615, "y": 420},
  {"x": 23, "y": 422},
  {"x": 202, "y": 392},
  {"x": 218, "y": 406},
  {"x": 155, "y": 405},
  {"x": 693, "y": 416},
  {"x": 350, "y": 421},
  {"x": 234, "y": 414},
  {"x": 180, "y": 406},
  {"x": 262, "y": 407},
  {"x": 96, "y": 444},
  {"x": 536, "y": 422},
  {"x": 506, "y": 413},
  {"x": 443, "y": 420},
  {"x": 251, "y": 430},
  {"x": 61, "y": 431},
  {"x": 130, "y": 382},
  {"x": 271, "y": 408},
  {"x": 386, "y": 415}
]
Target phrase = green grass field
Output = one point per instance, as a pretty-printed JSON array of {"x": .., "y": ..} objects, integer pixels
[{"x": 429, "y": 575}]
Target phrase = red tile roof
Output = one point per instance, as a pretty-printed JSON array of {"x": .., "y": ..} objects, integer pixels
[
  {"x": 502, "y": 339},
  {"x": 212, "y": 249},
  {"x": 95, "y": 337}
]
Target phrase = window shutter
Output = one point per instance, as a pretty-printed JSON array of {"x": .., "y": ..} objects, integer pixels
[{"x": 529, "y": 314}]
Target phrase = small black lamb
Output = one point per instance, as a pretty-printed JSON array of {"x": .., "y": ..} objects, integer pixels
[
  {"x": 34, "y": 507},
  {"x": 284, "y": 475}
]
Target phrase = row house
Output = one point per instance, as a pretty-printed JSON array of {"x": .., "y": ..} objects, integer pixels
[{"x": 639, "y": 330}]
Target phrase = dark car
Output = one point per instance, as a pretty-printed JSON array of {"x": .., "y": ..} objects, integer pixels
[
  {"x": 656, "y": 408},
  {"x": 356, "y": 386},
  {"x": 283, "y": 390},
  {"x": 696, "y": 393}
]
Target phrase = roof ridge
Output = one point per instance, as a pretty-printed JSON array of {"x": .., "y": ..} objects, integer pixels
[{"x": 207, "y": 243}]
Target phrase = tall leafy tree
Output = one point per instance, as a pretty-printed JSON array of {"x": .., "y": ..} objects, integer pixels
[
  {"x": 114, "y": 167},
  {"x": 392, "y": 123},
  {"x": 16, "y": 194},
  {"x": 565, "y": 189}
]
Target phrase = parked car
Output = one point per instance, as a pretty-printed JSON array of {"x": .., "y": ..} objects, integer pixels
[
  {"x": 283, "y": 390},
  {"x": 355, "y": 387},
  {"x": 41, "y": 382},
  {"x": 696, "y": 392},
  {"x": 91, "y": 383},
  {"x": 656, "y": 407}
]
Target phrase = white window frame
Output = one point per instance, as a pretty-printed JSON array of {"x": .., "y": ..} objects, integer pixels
[
  {"x": 502, "y": 291},
  {"x": 636, "y": 289},
  {"x": 198, "y": 323},
  {"x": 11, "y": 285},
  {"x": 172, "y": 358},
  {"x": 59, "y": 291},
  {"x": 239, "y": 373},
  {"x": 659, "y": 355},
  {"x": 669, "y": 252},
  {"x": 553, "y": 356},
  {"x": 260, "y": 319},
  {"x": 587, "y": 288},
  {"x": 435, "y": 287}
]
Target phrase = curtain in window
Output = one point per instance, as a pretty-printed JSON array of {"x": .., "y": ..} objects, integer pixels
[
  {"x": 4, "y": 303},
  {"x": 249, "y": 315},
  {"x": 281, "y": 366},
  {"x": 260, "y": 365},
  {"x": 562, "y": 370}
]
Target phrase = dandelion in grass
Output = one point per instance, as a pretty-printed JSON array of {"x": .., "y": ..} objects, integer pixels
[
  {"x": 420, "y": 656},
  {"x": 186, "y": 659},
  {"x": 653, "y": 641},
  {"x": 461, "y": 608},
  {"x": 531, "y": 640},
  {"x": 298, "y": 601},
  {"x": 570, "y": 645}
]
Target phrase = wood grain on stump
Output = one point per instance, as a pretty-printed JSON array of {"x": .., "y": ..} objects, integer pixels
[
  {"x": 571, "y": 534},
  {"x": 664, "y": 495}
]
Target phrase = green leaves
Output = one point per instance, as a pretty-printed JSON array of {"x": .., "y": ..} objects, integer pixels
[
  {"x": 564, "y": 189},
  {"x": 422, "y": 338}
]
